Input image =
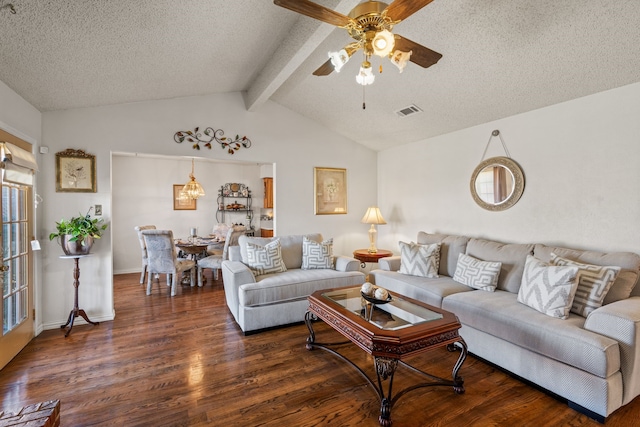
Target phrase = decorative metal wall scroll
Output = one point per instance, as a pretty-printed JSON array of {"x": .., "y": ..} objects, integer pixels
[{"x": 210, "y": 135}]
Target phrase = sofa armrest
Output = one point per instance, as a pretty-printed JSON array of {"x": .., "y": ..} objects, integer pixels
[
  {"x": 390, "y": 263},
  {"x": 345, "y": 263},
  {"x": 621, "y": 321},
  {"x": 234, "y": 274}
]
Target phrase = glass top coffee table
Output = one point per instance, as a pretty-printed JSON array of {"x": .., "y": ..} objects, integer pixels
[{"x": 390, "y": 332}]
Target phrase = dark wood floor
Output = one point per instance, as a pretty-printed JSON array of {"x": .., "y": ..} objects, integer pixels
[{"x": 183, "y": 361}]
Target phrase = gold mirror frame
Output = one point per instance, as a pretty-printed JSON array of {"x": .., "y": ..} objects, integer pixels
[{"x": 518, "y": 178}]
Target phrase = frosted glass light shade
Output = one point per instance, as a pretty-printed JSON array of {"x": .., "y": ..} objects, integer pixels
[
  {"x": 365, "y": 76},
  {"x": 383, "y": 43},
  {"x": 338, "y": 59},
  {"x": 400, "y": 59}
]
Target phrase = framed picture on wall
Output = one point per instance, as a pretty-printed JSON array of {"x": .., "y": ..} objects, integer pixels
[
  {"x": 330, "y": 186},
  {"x": 75, "y": 172},
  {"x": 182, "y": 204}
]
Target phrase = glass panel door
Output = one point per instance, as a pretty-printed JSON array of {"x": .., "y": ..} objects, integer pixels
[{"x": 16, "y": 275}]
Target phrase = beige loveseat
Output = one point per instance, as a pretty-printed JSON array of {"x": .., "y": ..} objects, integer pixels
[
  {"x": 260, "y": 301},
  {"x": 592, "y": 361}
]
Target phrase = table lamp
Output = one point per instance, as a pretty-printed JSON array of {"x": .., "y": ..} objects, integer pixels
[{"x": 373, "y": 217}]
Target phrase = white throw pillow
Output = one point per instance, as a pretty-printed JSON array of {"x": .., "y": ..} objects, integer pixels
[
  {"x": 477, "y": 274},
  {"x": 548, "y": 288},
  {"x": 265, "y": 259},
  {"x": 419, "y": 260},
  {"x": 316, "y": 256},
  {"x": 594, "y": 281}
]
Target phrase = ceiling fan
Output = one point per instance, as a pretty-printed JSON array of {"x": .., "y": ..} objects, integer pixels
[{"x": 369, "y": 24}]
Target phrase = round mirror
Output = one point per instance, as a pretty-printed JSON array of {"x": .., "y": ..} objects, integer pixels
[{"x": 497, "y": 183}]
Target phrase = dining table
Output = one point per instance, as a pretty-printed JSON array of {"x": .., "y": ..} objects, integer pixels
[{"x": 196, "y": 248}]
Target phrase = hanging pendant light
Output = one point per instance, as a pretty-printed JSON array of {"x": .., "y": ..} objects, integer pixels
[{"x": 192, "y": 189}]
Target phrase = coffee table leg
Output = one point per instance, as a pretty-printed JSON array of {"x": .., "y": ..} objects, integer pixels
[
  {"x": 385, "y": 369},
  {"x": 312, "y": 335},
  {"x": 458, "y": 382}
]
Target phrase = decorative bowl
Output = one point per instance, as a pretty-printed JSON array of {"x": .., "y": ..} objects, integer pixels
[{"x": 373, "y": 300}]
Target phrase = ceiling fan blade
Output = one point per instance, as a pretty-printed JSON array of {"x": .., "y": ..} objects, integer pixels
[
  {"x": 421, "y": 55},
  {"x": 325, "y": 69},
  {"x": 314, "y": 10},
  {"x": 401, "y": 9}
]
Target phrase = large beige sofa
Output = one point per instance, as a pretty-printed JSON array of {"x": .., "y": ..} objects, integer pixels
[
  {"x": 263, "y": 301},
  {"x": 593, "y": 362}
]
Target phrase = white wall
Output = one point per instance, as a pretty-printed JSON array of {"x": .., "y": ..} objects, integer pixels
[
  {"x": 148, "y": 182},
  {"x": 293, "y": 143},
  {"x": 581, "y": 161}
]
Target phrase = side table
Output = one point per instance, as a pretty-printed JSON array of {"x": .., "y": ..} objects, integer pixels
[
  {"x": 364, "y": 256},
  {"x": 76, "y": 283}
]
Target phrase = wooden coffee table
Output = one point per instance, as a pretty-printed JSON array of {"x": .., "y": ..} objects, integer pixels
[{"x": 397, "y": 330}]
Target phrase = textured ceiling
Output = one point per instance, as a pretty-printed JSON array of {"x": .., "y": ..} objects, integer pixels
[{"x": 500, "y": 57}]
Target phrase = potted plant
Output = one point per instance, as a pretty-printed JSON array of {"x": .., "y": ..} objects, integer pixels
[{"x": 76, "y": 235}]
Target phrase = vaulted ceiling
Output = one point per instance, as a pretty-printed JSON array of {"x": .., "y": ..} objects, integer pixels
[{"x": 500, "y": 58}]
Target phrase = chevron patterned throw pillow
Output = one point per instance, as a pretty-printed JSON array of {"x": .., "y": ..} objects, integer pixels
[
  {"x": 265, "y": 259},
  {"x": 550, "y": 289},
  {"x": 419, "y": 260},
  {"x": 477, "y": 274},
  {"x": 594, "y": 281},
  {"x": 316, "y": 256}
]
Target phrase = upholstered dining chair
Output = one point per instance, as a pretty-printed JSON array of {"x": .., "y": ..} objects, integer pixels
[
  {"x": 214, "y": 262},
  {"x": 143, "y": 247},
  {"x": 162, "y": 258}
]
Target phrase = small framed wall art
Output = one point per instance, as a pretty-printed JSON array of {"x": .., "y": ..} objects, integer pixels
[
  {"x": 330, "y": 186},
  {"x": 180, "y": 203},
  {"x": 75, "y": 172}
]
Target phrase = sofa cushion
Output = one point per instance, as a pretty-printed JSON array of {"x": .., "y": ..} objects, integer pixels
[
  {"x": 265, "y": 259},
  {"x": 430, "y": 291},
  {"x": 594, "y": 281},
  {"x": 317, "y": 255},
  {"x": 450, "y": 247},
  {"x": 477, "y": 274},
  {"x": 550, "y": 289},
  {"x": 419, "y": 260},
  {"x": 624, "y": 283},
  {"x": 294, "y": 284},
  {"x": 499, "y": 314},
  {"x": 512, "y": 256},
  {"x": 291, "y": 247}
]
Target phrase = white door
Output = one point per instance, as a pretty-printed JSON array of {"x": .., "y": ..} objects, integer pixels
[{"x": 16, "y": 277}]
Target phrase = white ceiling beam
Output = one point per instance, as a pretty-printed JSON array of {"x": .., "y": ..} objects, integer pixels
[{"x": 306, "y": 36}]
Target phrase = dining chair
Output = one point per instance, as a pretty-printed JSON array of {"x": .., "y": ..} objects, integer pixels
[
  {"x": 214, "y": 262},
  {"x": 143, "y": 247},
  {"x": 162, "y": 258}
]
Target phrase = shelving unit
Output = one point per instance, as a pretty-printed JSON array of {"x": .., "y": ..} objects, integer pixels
[{"x": 235, "y": 198}]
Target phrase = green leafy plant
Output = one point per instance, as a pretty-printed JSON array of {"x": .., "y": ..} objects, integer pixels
[{"x": 79, "y": 227}]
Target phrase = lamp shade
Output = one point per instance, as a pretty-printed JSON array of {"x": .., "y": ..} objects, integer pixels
[
  {"x": 192, "y": 189},
  {"x": 383, "y": 43},
  {"x": 373, "y": 216}
]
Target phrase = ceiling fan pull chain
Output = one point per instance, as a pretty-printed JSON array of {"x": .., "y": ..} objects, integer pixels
[{"x": 364, "y": 106}]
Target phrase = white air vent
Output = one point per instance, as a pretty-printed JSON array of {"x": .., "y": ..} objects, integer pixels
[{"x": 407, "y": 111}]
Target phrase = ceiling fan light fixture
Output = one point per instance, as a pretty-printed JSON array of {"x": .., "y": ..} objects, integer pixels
[
  {"x": 338, "y": 59},
  {"x": 400, "y": 59},
  {"x": 365, "y": 76},
  {"x": 383, "y": 43}
]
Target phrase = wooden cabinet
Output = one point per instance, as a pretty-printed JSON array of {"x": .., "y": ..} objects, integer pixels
[
  {"x": 268, "y": 192},
  {"x": 266, "y": 233}
]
